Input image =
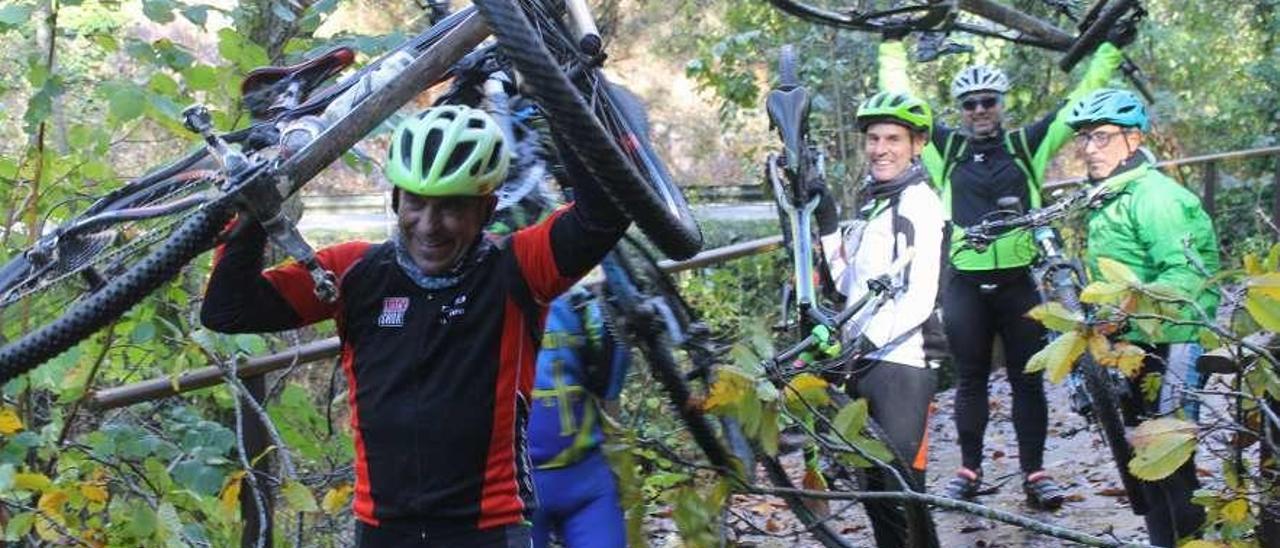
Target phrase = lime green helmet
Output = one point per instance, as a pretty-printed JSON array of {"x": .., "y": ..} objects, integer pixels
[
  {"x": 900, "y": 108},
  {"x": 448, "y": 150}
]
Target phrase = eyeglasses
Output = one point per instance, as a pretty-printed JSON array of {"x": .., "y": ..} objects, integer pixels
[
  {"x": 1101, "y": 138},
  {"x": 987, "y": 102}
]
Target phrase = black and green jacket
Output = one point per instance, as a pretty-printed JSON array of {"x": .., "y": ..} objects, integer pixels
[{"x": 971, "y": 175}]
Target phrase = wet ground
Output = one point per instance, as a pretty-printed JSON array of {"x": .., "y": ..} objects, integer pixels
[{"x": 1075, "y": 456}]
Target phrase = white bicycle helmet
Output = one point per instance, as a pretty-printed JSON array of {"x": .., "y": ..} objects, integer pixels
[{"x": 979, "y": 78}]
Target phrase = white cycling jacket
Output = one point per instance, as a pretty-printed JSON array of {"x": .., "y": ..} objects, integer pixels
[{"x": 866, "y": 250}]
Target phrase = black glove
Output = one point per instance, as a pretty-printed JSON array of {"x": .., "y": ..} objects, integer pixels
[
  {"x": 1123, "y": 32},
  {"x": 894, "y": 33}
]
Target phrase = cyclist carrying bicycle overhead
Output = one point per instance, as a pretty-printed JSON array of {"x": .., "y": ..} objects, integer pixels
[
  {"x": 988, "y": 293},
  {"x": 1159, "y": 230},
  {"x": 900, "y": 216},
  {"x": 439, "y": 328}
]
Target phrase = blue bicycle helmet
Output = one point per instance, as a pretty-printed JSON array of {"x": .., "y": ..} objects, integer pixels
[{"x": 1109, "y": 106}]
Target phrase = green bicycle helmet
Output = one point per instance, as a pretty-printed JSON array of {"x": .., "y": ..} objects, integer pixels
[
  {"x": 1109, "y": 106},
  {"x": 900, "y": 108},
  {"x": 448, "y": 150}
]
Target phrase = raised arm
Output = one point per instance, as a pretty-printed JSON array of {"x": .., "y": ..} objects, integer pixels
[{"x": 242, "y": 298}]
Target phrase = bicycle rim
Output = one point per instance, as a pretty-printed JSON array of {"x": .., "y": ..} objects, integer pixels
[
  {"x": 587, "y": 114},
  {"x": 650, "y": 332},
  {"x": 73, "y": 279}
]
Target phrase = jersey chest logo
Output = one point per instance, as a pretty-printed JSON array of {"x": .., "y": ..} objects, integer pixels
[
  {"x": 393, "y": 311},
  {"x": 454, "y": 310}
]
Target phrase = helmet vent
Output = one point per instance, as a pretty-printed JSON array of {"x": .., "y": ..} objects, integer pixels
[
  {"x": 475, "y": 123},
  {"x": 494, "y": 157},
  {"x": 429, "y": 148},
  {"x": 406, "y": 149},
  {"x": 460, "y": 155}
]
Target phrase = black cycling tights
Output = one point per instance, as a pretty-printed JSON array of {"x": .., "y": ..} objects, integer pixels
[{"x": 976, "y": 306}]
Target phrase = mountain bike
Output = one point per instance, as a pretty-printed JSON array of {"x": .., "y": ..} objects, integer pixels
[
  {"x": 1097, "y": 393},
  {"x": 91, "y": 269},
  {"x": 795, "y": 177},
  {"x": 935, "y": 19}
]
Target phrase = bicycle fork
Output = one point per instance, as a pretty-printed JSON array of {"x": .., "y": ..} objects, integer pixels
[{"x": 256, "y": 194}]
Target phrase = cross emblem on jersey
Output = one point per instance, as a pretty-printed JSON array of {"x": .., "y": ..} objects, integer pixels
[{"x": 980, "y": 157}]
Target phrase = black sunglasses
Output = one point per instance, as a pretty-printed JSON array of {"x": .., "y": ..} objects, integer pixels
[{"x": 986, "y": 102}]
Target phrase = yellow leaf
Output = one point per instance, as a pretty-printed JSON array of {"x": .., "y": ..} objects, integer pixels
[
  {"x": 336, "y": 498},
  {"x": 10, "y": 424},
  {"x": 1056, "y": 317},
  {"x": 1236, "y": 511},
  {"x": 806, "y": 388},
  {"x": 50, "y": 506},
  {"x": 31, "y": 481},
  {"x": 1160, "y": 446},
  {"x": 1118, "y": 272},
  {"x": 230, "y": 497},
  {"x": 1125, "y": 356},
  {"x": 1103, "y": 293},
  {"x": 813, "y": 481},
  {"x": 1252, "y": 266},
  {"x": 1058, "y": 357},
  {"x": 1265, "y": 311},
  {"x": 1202, "y": 544},
  {"x": 1266, "y": 285},
  {"x": 730, "y": 388},
  {"x": 93, "y": 492}
]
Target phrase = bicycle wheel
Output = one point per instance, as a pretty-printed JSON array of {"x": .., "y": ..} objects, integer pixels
[
  {"x": 914, "y": 523},
  {"x": 136, "y": 278},
  {"x": 584, "y": 112},
  {"x": 644, "y": 304},
  {"x": 1105, "y": 407},
  {"x": 82, "y": 255}
]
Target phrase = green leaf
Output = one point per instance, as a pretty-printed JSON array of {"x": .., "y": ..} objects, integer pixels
[
  {"x": 170, "y": 525},
  {"x": 198, "y": 15},
  {"x": 239, "y": 50},
  {"x": 8, "y": 169},
  {"x": 19, "y": 526},
  {"x": 851, "y": 418},
  {"x": 14, "y": 15},
  {"x": 97, "y": 170},
  {"x": 143, "y": 332},
  {"x": 1118, "y": 272},
  {"x": 1160, "y": 446},
  {"x": 1059, "y": 356},
  {"x": 201, "y": 77},
  {"x": 1057, "y": 317},
  {"x": 299, "y": 497},
  {"x": 126, "y": 101},
  {"x": 160, "y": 11},
  {"x": 873, "y": 448},
  {"x": 1263, "y": 310},
  {"x": 769, "y": 431},
  {"x": 161, "y": 83}
]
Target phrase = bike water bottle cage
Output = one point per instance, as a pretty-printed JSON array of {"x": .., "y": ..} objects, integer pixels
[{"x": 448, "y": 151}]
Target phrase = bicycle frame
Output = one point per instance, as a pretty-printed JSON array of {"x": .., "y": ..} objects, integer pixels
[{"x": 1060, "y": 278}]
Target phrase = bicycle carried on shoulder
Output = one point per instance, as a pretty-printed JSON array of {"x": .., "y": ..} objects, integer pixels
[
  {"x": 794, "y": 176},
  {"x": 93, "y": 268},
  {"x": 1097, "y": 392}
]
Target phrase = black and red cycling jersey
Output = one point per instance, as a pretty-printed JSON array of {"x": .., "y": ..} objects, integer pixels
[{"x": 439, "y": 380}]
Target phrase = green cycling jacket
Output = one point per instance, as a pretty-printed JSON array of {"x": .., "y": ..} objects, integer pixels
[
  {"x": 1151, "y": 224},
  {"x": 970, "y": 176}
]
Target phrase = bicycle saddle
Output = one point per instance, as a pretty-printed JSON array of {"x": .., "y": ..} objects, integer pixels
[
  {"x": 268, "y": 90},
  {"x": 788, "y": 108}
]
